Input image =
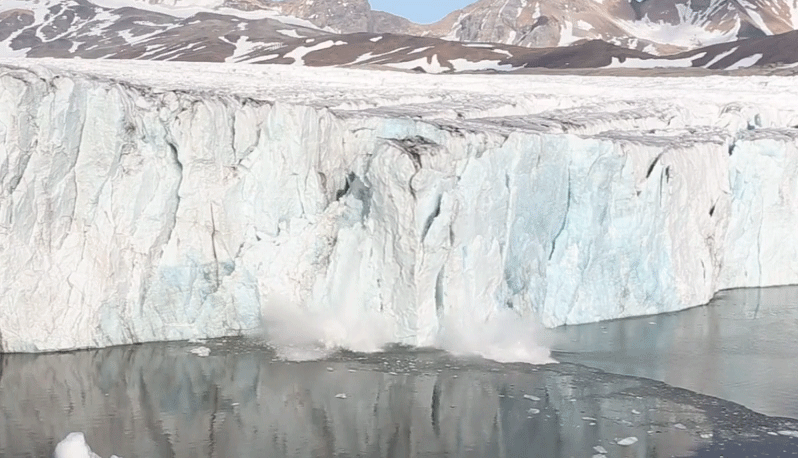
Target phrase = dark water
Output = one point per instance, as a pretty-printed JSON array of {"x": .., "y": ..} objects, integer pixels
[
  {"x": 742, "y": 347},
  {"x": 161, "y": 401}
]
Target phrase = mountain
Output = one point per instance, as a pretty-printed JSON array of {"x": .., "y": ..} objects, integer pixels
[
  {"x": 434, "y": 55},
  {"x": 114, "y": 29},
  {"x": 343, "y": 16},
  {"x": 654, "y": 26},
  {"x": 659, "y": 27},
  {"x": 260, "y": 33}
]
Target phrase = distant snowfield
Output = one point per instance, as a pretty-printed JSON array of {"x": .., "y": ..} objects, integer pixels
[{"x": 353, "y": 208}]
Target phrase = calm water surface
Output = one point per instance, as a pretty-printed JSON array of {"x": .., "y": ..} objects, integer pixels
[
  {"x": 742, "y": 347},
  {"x": 160, "y": 400}
]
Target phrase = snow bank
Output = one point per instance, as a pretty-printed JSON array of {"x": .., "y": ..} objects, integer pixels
[{"x": 136, "y": 213}]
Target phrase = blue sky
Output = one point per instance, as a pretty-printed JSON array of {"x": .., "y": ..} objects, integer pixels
[{"x": 421, "y": 11}]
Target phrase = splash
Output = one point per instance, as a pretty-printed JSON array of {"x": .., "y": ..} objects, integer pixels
[
  {"x": 74, "y": 446},
  {"x": 504, "y": 336},
  {"x": 300, "y": 334}
]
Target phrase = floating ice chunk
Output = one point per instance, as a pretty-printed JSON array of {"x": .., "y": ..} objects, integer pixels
[
  {"x": 531, "y": 398},
  {"x": 200, "y": 351},
  {"x": 789, "y": 433},
  {"x": 706, "y": 435},
  {"x": 75, "y": 446},
  {"x": 631, "y": 440},
  {"x": 600, "y": 449},
  {"x": 341, "y": 395},
  {"x": 635, "y": 412},
  {"x": 679, "y": 426},
  {"x": 533, "y": 411},
  {"x": 588, "y": 419}
]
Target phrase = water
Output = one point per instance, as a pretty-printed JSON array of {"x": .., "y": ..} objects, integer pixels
[
  {"x": 161, "y": 400},
  {"x": 741, "y": 347}
]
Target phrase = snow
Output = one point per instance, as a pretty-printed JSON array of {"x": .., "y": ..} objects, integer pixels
[
  {"x": 686, "y": 33},
  {"x": 719, "y": 57},
  {"x": 429, "y": 65},
  {"x": 290, "y": 33},
  {"x": 189, "y": 8},
  {"x": 346, "y": 208},
  {"x": 299, "y": 53},
  {"x": 464, "y": 65},
  {"x": 502, "y": 51},
  {"x": 653, "y": 63},
  {"x": 244, "y": 47},
  {"x": 745, "y": 62}
]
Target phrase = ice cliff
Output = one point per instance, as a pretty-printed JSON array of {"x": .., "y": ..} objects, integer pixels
[{"x": 152, "y": 201}]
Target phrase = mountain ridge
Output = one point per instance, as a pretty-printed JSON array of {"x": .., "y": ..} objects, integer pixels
[{"x": 124, "y": 29}]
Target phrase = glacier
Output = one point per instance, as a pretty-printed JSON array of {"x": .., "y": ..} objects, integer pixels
[{"x": 148, "y": 201}]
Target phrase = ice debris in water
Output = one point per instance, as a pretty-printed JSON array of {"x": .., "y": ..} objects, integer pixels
[
  {"x": 601, "y": 450},
  {"x": 341, "y": 395},
  {"x": 789, "y": 433},
  {"x": 679, "y": 426},
  {"x": 201, "y": 351},
  {"x": 627, "y": 441},
  {"x": 531, "y": 398},
  {"x": 75, "y": 446}
]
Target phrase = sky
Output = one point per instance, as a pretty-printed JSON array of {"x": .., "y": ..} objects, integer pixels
[{"x": 421, "y": 11}]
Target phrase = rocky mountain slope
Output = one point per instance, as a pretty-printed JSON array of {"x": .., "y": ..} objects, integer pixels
[
  {"x": 434, "y": 55},
  {"x": 655, "y": 26},
  {"x": 216, "y": 32},
  {"x": 109, "y": 29}
]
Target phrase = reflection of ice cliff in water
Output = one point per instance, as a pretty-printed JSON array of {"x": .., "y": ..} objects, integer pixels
[{"x": 159, "y": 400}]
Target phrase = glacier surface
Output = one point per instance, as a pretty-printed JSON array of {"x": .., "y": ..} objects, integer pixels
[{"x": 150, "y": 201}]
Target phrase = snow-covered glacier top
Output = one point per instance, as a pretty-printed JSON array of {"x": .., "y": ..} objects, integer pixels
[
  {"x": 334, "y": 207},
  {"x": 698, "y": 100}
]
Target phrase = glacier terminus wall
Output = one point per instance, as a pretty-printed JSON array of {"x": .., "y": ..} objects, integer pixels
[{"x": 155, "y": 201}]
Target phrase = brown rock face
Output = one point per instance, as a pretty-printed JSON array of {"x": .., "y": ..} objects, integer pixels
[
  {"x": 657, "y": 26},
  {"x": 344, "y": 16}
]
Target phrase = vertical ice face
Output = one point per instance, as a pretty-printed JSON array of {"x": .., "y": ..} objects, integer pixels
[{"x": 132, "y": 214}]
